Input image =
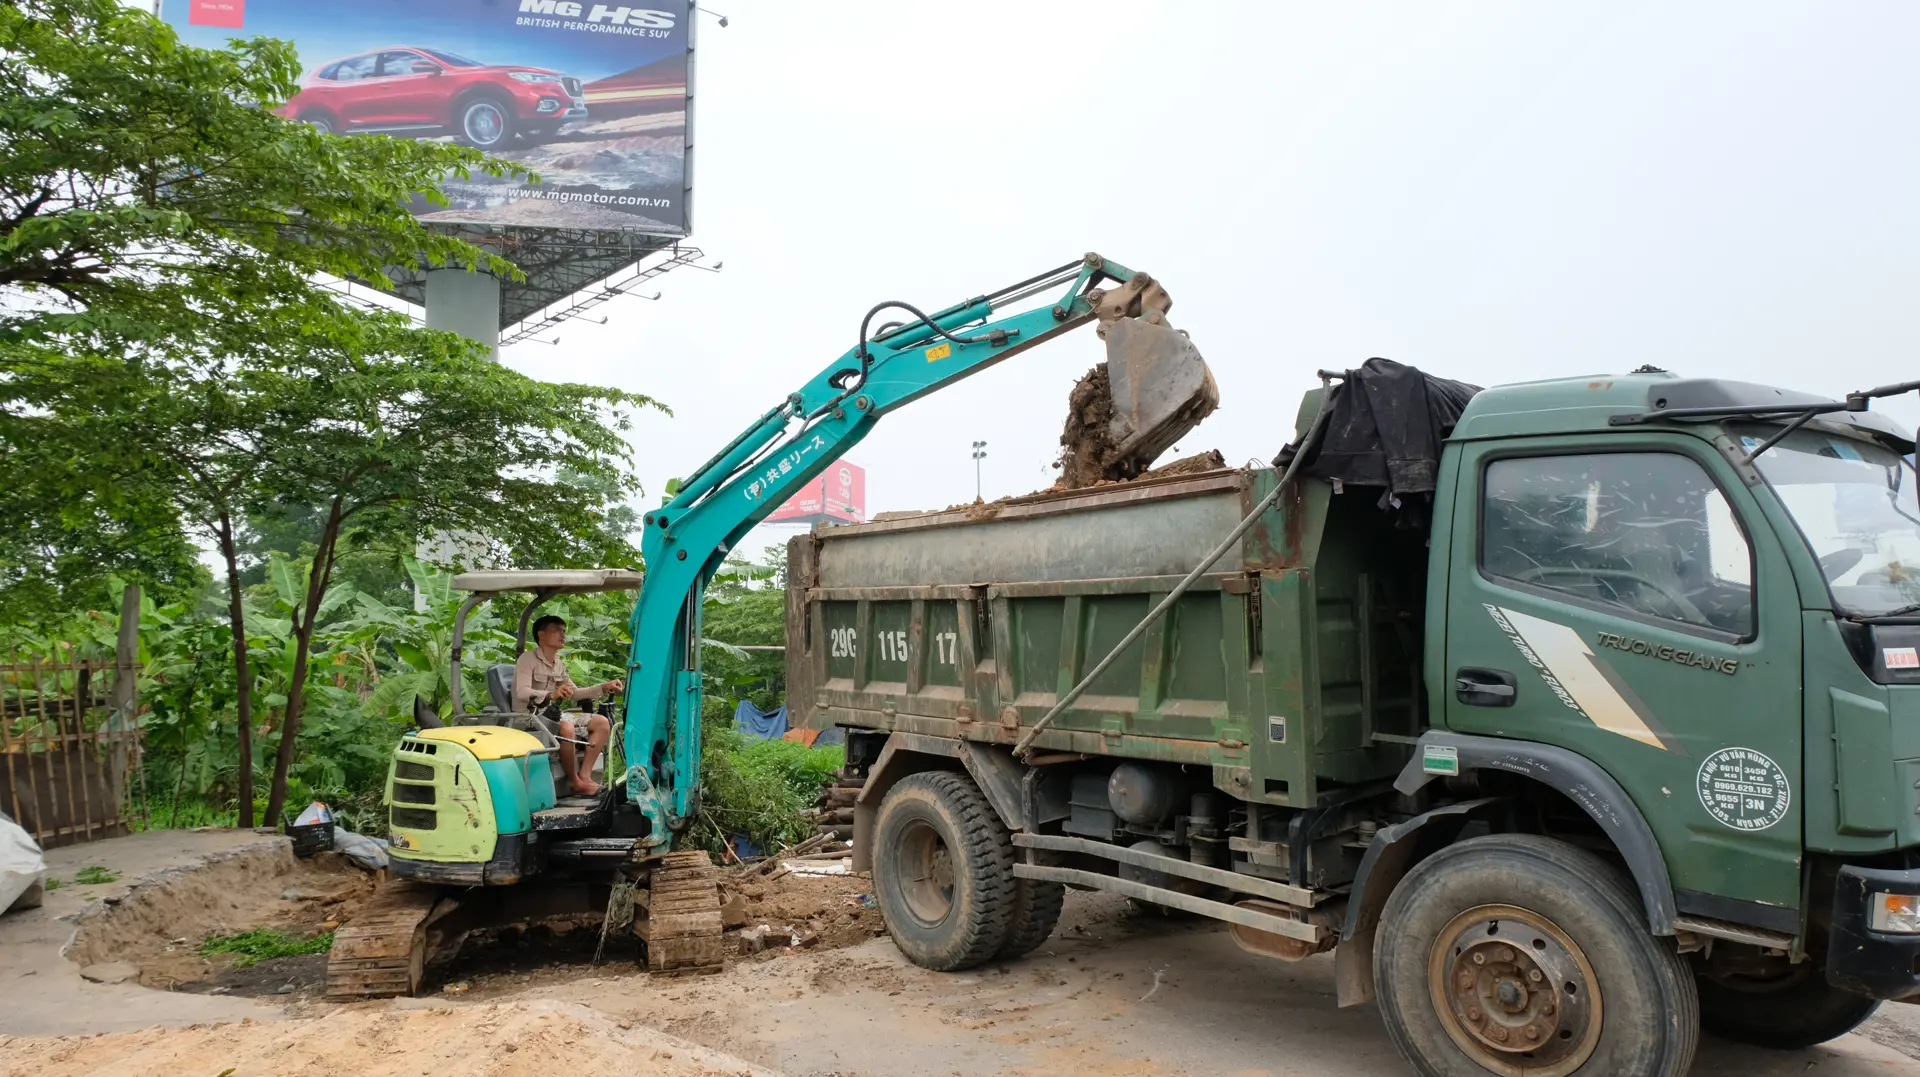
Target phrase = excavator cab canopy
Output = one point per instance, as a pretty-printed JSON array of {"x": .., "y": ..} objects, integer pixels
[{"x": 542, "y": 584}]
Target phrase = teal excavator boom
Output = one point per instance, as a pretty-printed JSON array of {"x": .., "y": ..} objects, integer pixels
[{"x": 1159, "y": 385}]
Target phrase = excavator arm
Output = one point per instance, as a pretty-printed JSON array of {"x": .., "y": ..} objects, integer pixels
[{"x": 1159, "y": 386}]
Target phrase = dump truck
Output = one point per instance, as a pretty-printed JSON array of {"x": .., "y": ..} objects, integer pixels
[{"x": 1569, "y": 716}]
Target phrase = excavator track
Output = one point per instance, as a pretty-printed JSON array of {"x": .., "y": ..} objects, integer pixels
[
  {"x": 382, "y": 952},
  {"x": 682, "y": 924}
]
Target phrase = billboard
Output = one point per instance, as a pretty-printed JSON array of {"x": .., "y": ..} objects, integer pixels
[
  {"x": 591, "y": 96},
  {"x": 837, "y": 496}
]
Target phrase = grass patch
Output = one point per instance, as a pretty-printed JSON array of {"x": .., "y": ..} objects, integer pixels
[
  {"x": 53, "y": 883},
  {"x": 264, "y": 944},
  {"x": 96, "y": 875}
]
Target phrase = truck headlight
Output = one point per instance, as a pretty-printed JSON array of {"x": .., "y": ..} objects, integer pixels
[
  {"x": 1895, "y": 914},
  {"x": 532, "y": 76}
]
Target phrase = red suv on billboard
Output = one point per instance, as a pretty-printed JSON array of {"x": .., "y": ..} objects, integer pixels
[{"x": 406, "y": 90}]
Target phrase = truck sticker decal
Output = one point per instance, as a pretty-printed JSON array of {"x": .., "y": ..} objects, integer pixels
[
  {"x": 1900, "y": 657},
  {"x": 1582, "y": 681},
  {"x": 1743, "y": 789},
  {"x": 1677, "y": 655},
  {"x": 1276, "y": 729},
  {"x": 1440, "y": 759}
]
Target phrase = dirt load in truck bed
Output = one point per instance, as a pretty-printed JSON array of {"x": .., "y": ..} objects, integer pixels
[{"x": 1091, "y": 444}]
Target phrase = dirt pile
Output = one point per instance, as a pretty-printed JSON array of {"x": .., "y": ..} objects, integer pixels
[
  {"x": 160, "y": 924},
  {"x": 534, "y": 1039},
  {"x": 824, "y": 911}
]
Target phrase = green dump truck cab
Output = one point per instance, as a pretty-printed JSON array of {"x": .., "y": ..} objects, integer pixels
[{"x": 1610, "y": 733}]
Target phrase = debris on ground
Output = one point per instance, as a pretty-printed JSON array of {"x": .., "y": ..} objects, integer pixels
[
  {"x": 797, "y": 906},
  {"x": 493, "y": 1040}
]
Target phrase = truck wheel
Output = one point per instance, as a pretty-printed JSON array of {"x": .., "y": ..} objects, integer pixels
[
  {"x": 942, "y": 871},
  {"x": 483, "y": 121},
  {"x": 1036, "y": 911},
  {"x": 1797, "y": 1008},
  {"x": 1516, "y": 954}
]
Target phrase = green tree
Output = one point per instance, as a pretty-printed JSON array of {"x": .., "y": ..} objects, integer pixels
[
  {"x": 161, "y": 230},
  {"x": 419, "y": 435},
  {"x": 153, "y": 212},
  {"x": 746, "y": 606}
]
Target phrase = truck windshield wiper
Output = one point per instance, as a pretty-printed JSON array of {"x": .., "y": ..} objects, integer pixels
[{"x": 1905, "y": 612}]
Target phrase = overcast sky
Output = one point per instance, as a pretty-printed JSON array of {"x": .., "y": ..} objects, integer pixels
[{"x": 1494, "y": 192}]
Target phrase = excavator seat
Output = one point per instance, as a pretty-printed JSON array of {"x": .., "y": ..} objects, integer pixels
[{"x": 500, "y": 686}]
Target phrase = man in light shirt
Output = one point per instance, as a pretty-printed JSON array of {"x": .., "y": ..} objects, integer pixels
[{"x": 540, "y": 680}]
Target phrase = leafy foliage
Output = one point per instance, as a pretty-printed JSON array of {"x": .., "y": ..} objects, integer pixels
[
  {"x": 760, "y": 789},
  {"x": 264, "y": 944},
  {"x": 157, "y": 218},
  {"x": 95, "y": 875}
]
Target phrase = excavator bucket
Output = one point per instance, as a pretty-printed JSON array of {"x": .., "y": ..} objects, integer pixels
[
  {"x": 1161, "y": 389},
  {"x": 1153, "y": 388}
]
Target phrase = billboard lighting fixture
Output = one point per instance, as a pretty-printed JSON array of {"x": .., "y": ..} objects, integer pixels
[{"x": 717, "y": 15}]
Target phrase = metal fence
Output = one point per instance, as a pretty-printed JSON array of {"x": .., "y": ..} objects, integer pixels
[{"x": 69, "y": 743}]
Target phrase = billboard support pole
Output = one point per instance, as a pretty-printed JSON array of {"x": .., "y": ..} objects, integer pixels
[{"x": 467, "y": 303}]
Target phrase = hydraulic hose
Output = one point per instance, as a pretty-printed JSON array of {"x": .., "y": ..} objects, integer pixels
[{"x": 1025, "y": 745}]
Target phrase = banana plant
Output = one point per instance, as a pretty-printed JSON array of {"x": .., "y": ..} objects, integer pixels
[{"x": 411, "y": 651}]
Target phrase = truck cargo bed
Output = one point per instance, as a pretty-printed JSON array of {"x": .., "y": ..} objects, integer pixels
[{"x": 1289, "y": 669}]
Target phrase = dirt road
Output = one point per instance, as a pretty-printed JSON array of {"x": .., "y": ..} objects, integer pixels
[{"x": 1111, "y": 995}]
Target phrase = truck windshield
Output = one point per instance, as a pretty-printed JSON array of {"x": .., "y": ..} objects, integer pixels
[{"x": 1854, "y": 501}]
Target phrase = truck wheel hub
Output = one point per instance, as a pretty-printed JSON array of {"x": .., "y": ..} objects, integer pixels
[
  {"x": 926, "y": 875},
  {"x": 1514, "y": 992}
]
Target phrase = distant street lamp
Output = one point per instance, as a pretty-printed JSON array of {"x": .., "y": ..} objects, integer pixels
[{"x": 979, "y": 454}]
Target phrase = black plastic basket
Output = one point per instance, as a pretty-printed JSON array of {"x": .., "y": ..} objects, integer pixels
[{"x": 309, "y": 838}]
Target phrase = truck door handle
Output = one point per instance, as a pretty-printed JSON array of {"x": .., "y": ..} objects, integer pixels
[{"x": 1484, "y": 687}]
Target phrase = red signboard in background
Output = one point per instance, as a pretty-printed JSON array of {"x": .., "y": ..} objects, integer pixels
[
  {"x": 228, "y": 13},
  {"x": 838, "y": 496}
]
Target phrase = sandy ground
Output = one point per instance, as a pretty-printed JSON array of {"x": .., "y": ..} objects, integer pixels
[
  {"x": 1111, "y": 995},
  {"x": 535, "y": 1039}
]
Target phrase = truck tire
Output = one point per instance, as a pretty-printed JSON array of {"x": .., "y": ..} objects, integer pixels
[
  {"x": 1036, "y": 911},
  {"x": 1515, "y": 953},
  {"x": 942, "y": 871},
  {"x": 1798, "y": 1009}
]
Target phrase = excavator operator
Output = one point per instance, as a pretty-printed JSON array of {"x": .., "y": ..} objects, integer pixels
[{"x": 541, "y": 683}]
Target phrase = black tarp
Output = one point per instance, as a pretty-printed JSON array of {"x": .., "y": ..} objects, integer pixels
[{"x": 1384, "y": 433}]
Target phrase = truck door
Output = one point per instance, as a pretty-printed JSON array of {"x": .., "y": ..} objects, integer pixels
[{"x": 1624, "y": 598}]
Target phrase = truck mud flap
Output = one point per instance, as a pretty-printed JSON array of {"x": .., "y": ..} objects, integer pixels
[{"x": 1387, "y": 860}]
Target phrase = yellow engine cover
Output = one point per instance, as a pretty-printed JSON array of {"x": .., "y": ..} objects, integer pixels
[{"x": 487, "y": 741}]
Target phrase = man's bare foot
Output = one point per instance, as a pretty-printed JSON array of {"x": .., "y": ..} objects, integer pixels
[{"x": 584, "y": 787}]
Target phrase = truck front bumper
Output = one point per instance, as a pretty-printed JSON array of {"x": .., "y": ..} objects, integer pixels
[{"x": 1879, "y": 964}]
